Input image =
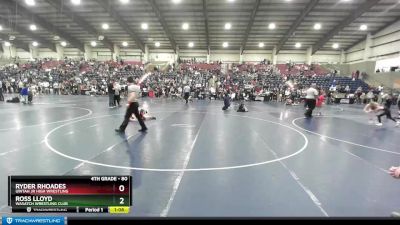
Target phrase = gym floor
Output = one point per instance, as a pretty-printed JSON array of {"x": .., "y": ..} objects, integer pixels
[{"x": 197, "y": 160}]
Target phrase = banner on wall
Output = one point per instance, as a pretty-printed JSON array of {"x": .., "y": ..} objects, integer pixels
[{"x": 388, "y": 65}]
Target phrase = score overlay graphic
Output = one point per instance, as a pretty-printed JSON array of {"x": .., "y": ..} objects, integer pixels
[{"x": 73, "y": 194}]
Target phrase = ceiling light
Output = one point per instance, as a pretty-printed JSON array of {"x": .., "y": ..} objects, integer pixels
[
  {"x": 34, "y": 44},
  {"x": 1, "y": 27},
  {"x": 105, "y": 26},
  {"x": 157, "y": 44},
  {"x": 228, "y": 26},
  {"x": 176, "y": 1},
  {"x": 145, "y": 26},
  {"x": 230, "y": 0},
  {"x": 93, "y": 43},
  {"x": 125, "y": 44},
  {"x": 76, "y": 2},
  {"x": 261, "y": 45},
  {"x": 56, "y": 38},
  {"x": 30, "y": 2},
  {"x": 33, "y": 27},
  {"x": 335, "y": 46},
  {"x": 7, "y": 44},
  {"x": 272, "y": 26},
  {"x": 100, "y": 38},
  {"x": 185, "y": 26},
  {"x": 317, "y": 26},
  {"x": 124, "y": 1},
  {"x": 225, "y": 44},
  {"x": 191, "y": 44},
  {"x": 298, "y": 45},
  {"x": 363, "y": 27},
  {"x": 63, "y": 43},
  {"x": 11, "y": 38}
]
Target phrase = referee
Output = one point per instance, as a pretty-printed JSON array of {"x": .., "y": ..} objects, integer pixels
[
  {"x": 311, "y": 100},
  {"x": 133, "y": 107},
  {"x": 186, "y": 91}
]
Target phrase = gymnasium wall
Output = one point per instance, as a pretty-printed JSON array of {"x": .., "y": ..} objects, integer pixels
[{"x": 385, "y": 44}]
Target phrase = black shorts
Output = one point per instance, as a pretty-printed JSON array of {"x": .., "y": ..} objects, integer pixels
[{"x": 187, "y": 95}]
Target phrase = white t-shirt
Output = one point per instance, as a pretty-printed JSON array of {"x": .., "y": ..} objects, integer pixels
[
  {"x": 186, "y": 89},
  {"x": 311, "y": 93},
  {"x": 136, "y": 89},
  {"x": 117, "y": 89}
]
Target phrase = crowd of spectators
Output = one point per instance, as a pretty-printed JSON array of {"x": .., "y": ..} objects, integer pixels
[{"x": 262, "y": 81}]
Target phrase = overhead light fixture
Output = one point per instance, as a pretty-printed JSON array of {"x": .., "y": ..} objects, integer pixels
[
  {"x": 261, "y": 45},
  {"x": 157, "y": 44},
  {"x": 191, "y": 44},
  {"x": 7, "y": 44},
  {"x": 33, "y": 27},
  {"x": 185, "y": 26},
  {"x": 56, "y": 38},
  {"x": 145, "y": 26},
  {"x": 228, "y": 26},
  {"x": 363, "y": 27},
  {"x": 272, "y": 26},
  {"x": 298, "y": 45},
  {"x": 11, "y": 38},
  {"x": 230, "y": 0},
  {"x": 34, "y": 44},
  {"x": 225, "y": 44},
  {"x": 125, "y": 44},
  {"x": 76, "y": 2},
  {"x": 1, "y": 27},
  {"x": 100, "y": 38},
  {"x": 105, "y": 26},
  {"x": 317, "y": 26},
  {"x": 335, "y": 46},
  {"x": 93, "y": 44},
  {"x": 63, "y": 43},
  {"x": 30, "y": 2},
  {"x": 176, "y": 1},
  {"x": 124, "y": 1}
]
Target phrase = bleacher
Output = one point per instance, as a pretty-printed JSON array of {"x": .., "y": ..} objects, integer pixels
[
  {"x": 317, "y": 70},
  {"x": 200, "y": 66},
  {"x": 326, "y": 82}
]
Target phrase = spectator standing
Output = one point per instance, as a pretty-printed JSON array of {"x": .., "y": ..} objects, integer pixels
[
  {"x": 117, "y": 92},
  {"x": 1, "y": 92},
  {"x": 111, "y": 92}
]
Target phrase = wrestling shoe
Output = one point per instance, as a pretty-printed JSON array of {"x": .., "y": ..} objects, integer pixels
[
  {"x": 143, "y": 130},
  {"x": 119, "y": 131}
]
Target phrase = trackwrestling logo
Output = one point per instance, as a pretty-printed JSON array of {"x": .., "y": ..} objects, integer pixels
[{"x": 33, "y": 220}]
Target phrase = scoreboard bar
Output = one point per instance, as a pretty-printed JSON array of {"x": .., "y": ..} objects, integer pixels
[{"x": 89, "y": 194}]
